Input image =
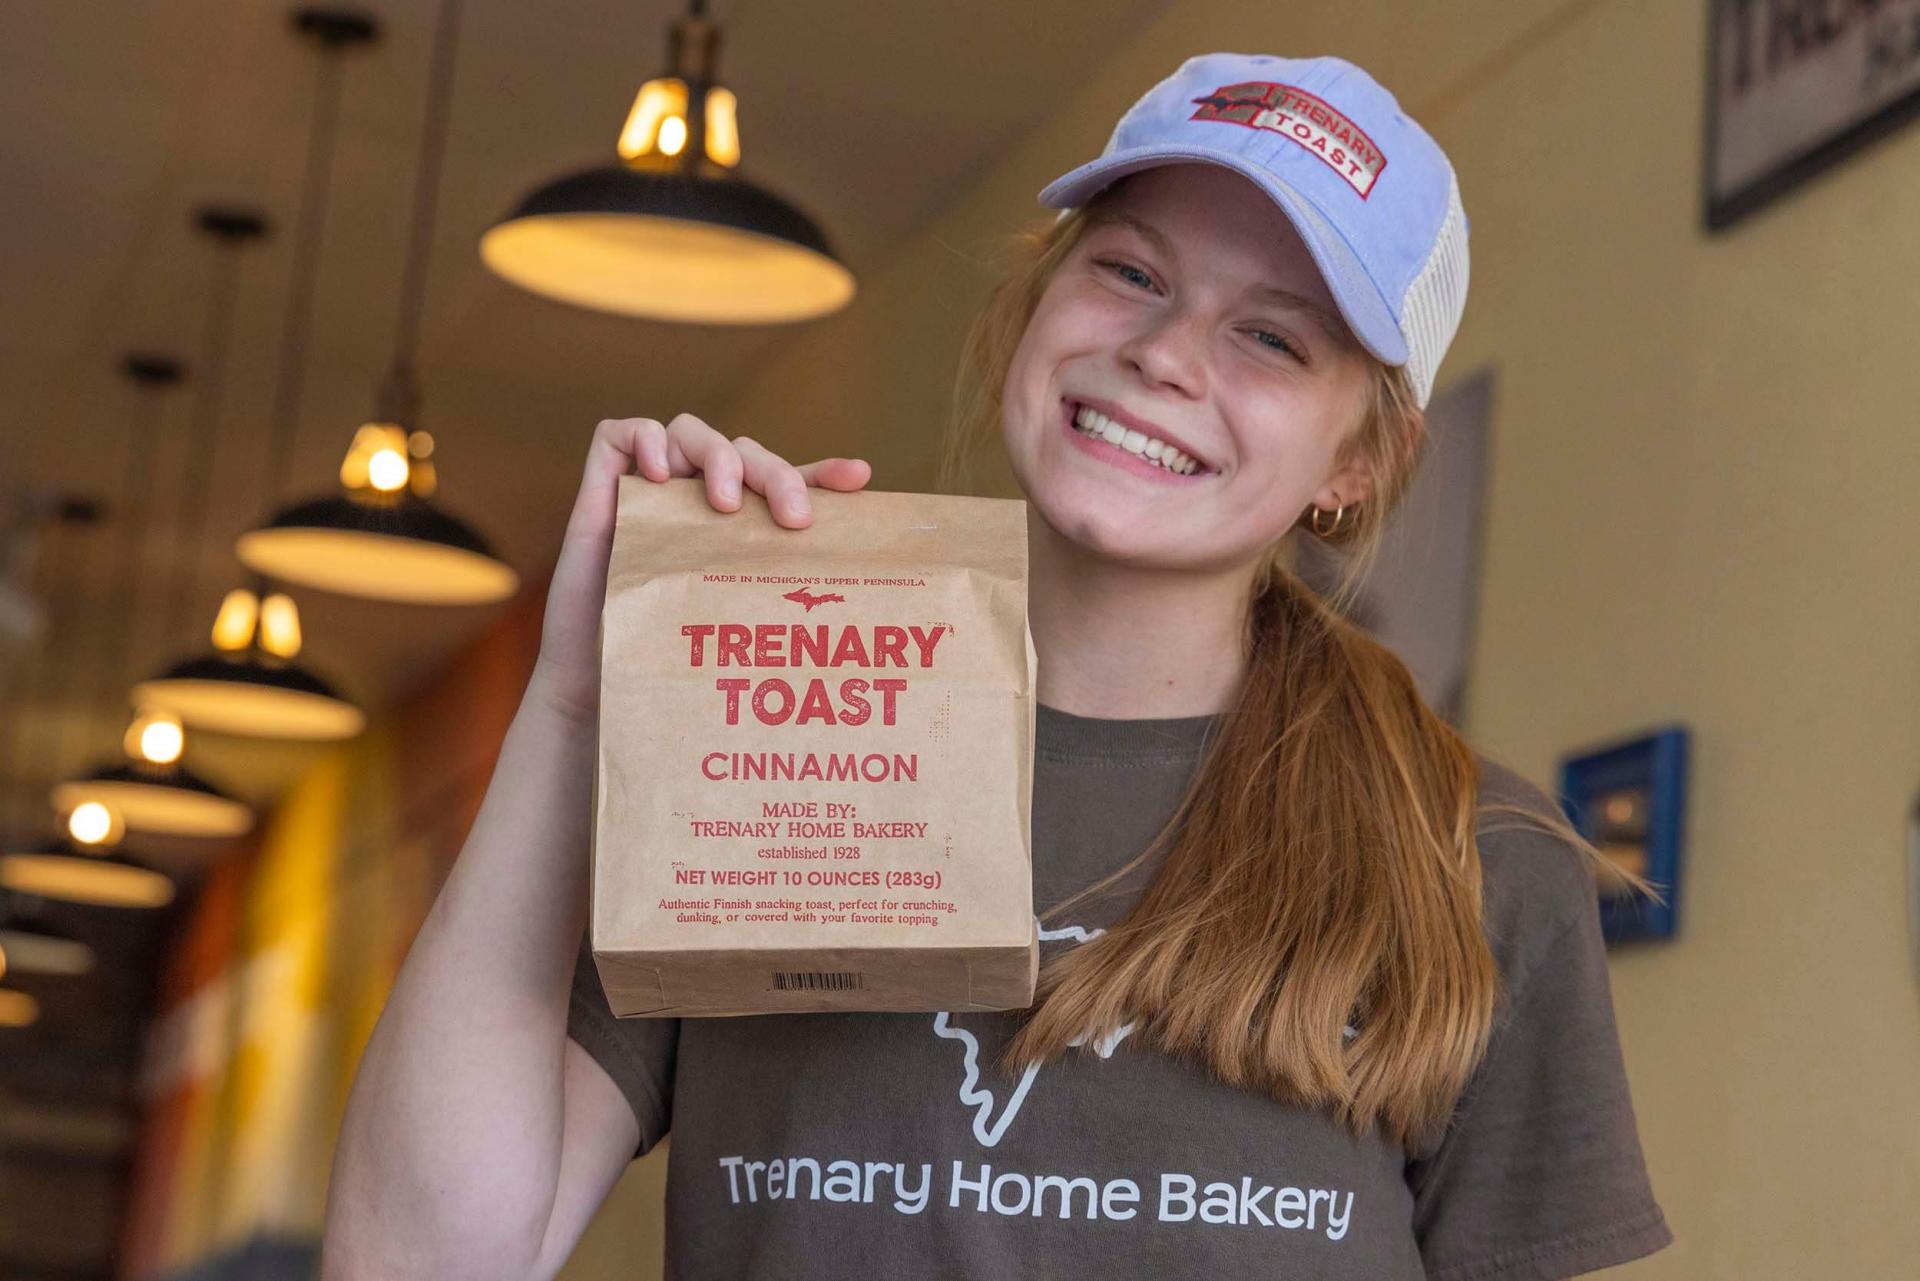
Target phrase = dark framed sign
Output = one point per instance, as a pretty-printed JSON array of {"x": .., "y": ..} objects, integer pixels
[
  {"x": 1630, "y": 800},
  {"x": 1795, "y": 86}
]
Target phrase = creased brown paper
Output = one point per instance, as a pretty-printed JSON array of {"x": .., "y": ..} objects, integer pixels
[{"x": 814, "y": 780}]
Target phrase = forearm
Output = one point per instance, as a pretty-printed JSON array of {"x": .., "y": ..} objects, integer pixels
[{"x": 450, "y": 1149}]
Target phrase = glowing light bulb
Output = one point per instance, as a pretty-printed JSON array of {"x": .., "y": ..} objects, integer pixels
[
  {"x": 161, "y": 743},
  {"x": 156, "y": 736},
  {"x": 657, "y": 102},
  {"x": 91, "y": 823},
  {"x": 387, "y": 470},
  {"x": 422, "y": 478},
  {"x": 673, "y": 135},
  {"x": 280, "y": 626},
  {"x": 233, "y": 627},
  {"x": 365, "y": 468},
  {"x": 723, "y": 127},
  {"x": 353, "y": 468}
]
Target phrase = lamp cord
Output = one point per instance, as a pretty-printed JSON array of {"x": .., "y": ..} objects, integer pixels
[
  {"x": 24, "y": 539},
  {"x": 143, "y": 428},
  {"x": 13, "y": 746},
  {"x": 397, "y": 398},
  {"x": 69, "y": 571},
  {"x": 197, "y": 481},
  {"x": 36, "y": 690},
  {"x": 313, "y": 206}
]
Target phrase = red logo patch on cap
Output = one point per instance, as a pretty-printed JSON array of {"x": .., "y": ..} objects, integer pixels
[{"x": 1299, "y": 116}]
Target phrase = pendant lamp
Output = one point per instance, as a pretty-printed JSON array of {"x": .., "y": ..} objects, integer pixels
[
  {"x": 91, "y": 875},
  {"x": 382, "y": 537},
  {"x": 32, "y": 946},
  {"x": 147, "y": 796},
  {"x": 67, "y": 870},
  {"x": 151, "y": 791},
  {"x": 93, "y": 880},
  {"x": 671, "y": 231},
  {"x": 251, "y": 685},
  {"x": 35, "y": 546}
]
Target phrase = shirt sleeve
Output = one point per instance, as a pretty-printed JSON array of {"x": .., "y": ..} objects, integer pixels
[
  {"x": 1540, "y": 1174},
  {"x": 637, "y": 1053}
]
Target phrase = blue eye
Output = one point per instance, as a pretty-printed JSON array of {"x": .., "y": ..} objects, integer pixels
[
  {"x": 1284, "y": 345},
  {"x": 1280, "y": 344},
  {"x": 1121, "y": 268}
]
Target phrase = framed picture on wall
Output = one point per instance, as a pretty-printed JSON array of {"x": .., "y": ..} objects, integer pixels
[
  {"x": 1629, "y": 799},
  {"x": 1793, "y": 89}
]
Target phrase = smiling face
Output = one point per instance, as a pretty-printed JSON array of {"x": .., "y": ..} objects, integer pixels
[{"x": 1216, "y": 338}]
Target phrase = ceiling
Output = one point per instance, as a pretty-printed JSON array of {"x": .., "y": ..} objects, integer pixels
[{"x": 125, "y": 116}]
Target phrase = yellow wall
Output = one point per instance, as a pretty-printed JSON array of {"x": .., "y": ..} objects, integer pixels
[
  {"x": 1705, "y": 506},
  {"x": 626, "y": 1238}
]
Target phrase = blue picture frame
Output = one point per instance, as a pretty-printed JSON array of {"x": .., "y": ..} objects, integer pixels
[{"x": 1634, "y": 790}]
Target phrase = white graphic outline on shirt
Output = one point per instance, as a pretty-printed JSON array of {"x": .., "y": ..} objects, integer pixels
[{"x": 986, "y": 1130}]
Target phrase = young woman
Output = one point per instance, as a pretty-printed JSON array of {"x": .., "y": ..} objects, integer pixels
[{"x": 1306, "y": 1011}]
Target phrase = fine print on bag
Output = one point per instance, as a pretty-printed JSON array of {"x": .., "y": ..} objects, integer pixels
[{"x": 815, "y": 769}]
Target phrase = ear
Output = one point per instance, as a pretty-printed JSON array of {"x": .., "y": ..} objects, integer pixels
[{"x": 1350, "y": 485}]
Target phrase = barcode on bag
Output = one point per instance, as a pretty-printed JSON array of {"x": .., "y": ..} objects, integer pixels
[{"x": 818, "y": 981}]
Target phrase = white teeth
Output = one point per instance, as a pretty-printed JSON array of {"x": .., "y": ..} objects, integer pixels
[{"x": 1091, "y": 422}]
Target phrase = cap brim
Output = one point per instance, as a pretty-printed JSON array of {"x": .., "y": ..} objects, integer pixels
[{"x": 1360, "y": 301}]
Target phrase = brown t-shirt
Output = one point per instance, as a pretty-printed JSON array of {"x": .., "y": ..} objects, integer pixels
[{"x": 889, "y": 1145}]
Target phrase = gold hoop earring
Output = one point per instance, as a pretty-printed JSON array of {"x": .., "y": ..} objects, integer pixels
[{"x": 1332, "y": 529}]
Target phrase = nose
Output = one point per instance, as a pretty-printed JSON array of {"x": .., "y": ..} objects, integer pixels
[{"x": 1170, "y": 351}]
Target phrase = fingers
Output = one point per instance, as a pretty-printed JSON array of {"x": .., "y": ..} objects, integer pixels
[
  {"x": 658, "y": 451},
  {"x": 610, "y": 456},
  {"x": 784, "y": 485},
  {"x": 778, "y": 481},
  {"x": 688, "y": 446},
  {"x": 846, "y": 474},
  {"x": 652, "y": 452},
  {"x": 580, "y": 575},
  {"x": 692, "y": 444}
]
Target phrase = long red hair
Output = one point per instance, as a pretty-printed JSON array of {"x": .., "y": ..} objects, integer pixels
[{"x": 1313, "y": 928}]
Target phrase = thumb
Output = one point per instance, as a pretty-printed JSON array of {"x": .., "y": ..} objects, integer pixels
[{"x": 837, "y": 473}]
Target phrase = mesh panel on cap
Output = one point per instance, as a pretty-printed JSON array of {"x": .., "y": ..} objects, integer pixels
[{"x": 1430, "y": 312}]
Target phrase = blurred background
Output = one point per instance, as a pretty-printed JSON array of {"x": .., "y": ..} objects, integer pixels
[{"x": 307, "y": 315}]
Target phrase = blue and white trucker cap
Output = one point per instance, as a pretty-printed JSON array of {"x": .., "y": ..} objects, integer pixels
[{"x": 1369, "y": 191}]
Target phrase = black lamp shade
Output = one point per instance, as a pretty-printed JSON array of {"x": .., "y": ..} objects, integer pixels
[
  {"x": 51, "y": 871},
  {"x": 34, "y": 946},
  {"x": 683, "y": 246},
  {"x": 158, "y": 798},
  {"x": 245, "y": 695},
  {"x": 401, "y": 549}
]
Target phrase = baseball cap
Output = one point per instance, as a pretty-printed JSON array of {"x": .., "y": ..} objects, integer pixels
[{"x": 1370, "y": 192}]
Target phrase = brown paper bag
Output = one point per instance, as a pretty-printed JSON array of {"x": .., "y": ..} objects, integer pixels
[{"x": 814, "y": 781}]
